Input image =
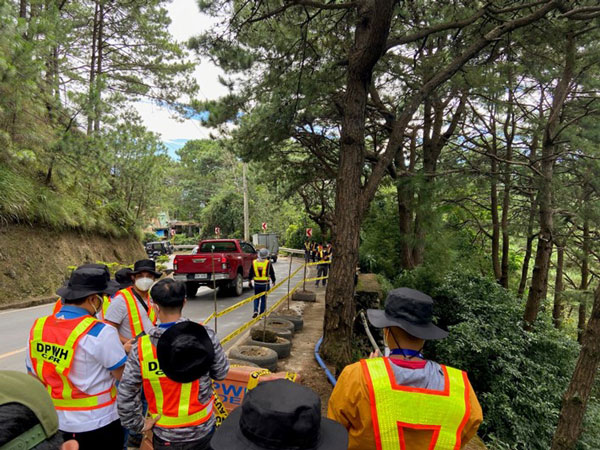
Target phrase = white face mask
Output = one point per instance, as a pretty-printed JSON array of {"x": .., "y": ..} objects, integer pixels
[
  {"x": 144, "y": 284},
  {"x": 97, "y": 311}
]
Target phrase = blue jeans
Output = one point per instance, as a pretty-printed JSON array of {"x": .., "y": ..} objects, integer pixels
[{"x": 262, "y": 300}]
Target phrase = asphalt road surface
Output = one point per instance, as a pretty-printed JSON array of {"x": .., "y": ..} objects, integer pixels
[{"x": 16, "y": 323}]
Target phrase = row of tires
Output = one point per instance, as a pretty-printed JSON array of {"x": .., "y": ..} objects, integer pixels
[{"x": 255, "y": 351}]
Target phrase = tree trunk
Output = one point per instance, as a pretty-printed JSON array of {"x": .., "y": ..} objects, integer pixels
[
  {"x": 405, "y": 223},
  {"x": 557, "y": 311},
  {"x": 494, "y": 201},
  {"x": 578, "y": 393},
  {"x": 23, "y": 9},
  {"x": 581, "y": 319},
  {"x": 372, "y": 29},
  {"x": 509, "y": 133},
  {"x": 100, "y": 50},
  {"x": 92, "y": 85},
  {"x": 539, "y": 280}
]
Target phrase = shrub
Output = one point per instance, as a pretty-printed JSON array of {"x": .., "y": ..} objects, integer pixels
[{"x": 519, "y": 376}]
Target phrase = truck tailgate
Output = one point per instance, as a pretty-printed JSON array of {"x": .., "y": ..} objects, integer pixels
[{"x": 200, "y": 263}]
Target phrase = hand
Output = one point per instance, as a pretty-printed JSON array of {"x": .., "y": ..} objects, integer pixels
[
  {"x": 150, "y": 422},
  {"x": 127, "y": 345},
  {"x": 375, "y": 354}
]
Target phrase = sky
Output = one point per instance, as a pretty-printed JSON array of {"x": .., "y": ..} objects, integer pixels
[{"x": 186, "y": 22}]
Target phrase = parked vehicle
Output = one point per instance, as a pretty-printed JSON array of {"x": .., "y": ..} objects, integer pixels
[
  {"x": 230, "y": 260},
  {"x": 268, "y": 241},
  {"x": 158, "y": 248}
]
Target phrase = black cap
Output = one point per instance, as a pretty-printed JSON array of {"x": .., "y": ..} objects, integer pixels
[
  {"x": 185, "y": 352},
  {"x": 84, "y": 282},
  {"x": 145, "y": 265},
  {"x": 410, "y": 310},
  {"x": 279, "y": 415}
]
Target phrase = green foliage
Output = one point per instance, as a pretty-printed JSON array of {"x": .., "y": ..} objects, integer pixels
[
  {"x": 182, "y": 239},
  {"x": 149, "y": 237},
  {"x": 519, "y": 377},
  {"x": 162, "y": 259}
]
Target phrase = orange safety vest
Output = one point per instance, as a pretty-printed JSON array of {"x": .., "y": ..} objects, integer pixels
[
  {"x": 395, "y": 407},
  {"x": 134, "y": 314},
  {"x": 177, "y": 403},
  {"x": 260, "y": 270},
  {"x": 52, "y": 346},
  {"x": 105, "y": 304}
]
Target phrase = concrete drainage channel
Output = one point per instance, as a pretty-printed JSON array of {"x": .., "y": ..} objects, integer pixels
[{"x": 268, "y": 342}]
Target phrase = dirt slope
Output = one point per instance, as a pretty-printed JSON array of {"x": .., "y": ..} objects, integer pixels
[{"x": 34, "y": 261}]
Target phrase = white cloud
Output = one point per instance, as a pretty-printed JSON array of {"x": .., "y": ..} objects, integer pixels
[{"x": 186, "y": 21}]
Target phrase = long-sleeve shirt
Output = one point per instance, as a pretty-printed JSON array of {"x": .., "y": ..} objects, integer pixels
[
  {"x": 350, "y": 405},
  {"x": 129, "y": 399},
  {"x": 271, "y": 273}
]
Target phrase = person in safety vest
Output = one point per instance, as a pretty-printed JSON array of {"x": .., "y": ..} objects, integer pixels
[
  {"x": 261, "y": 271},
  {"x": 403, "y": 401},
  {"x": 78, "y": 358},
  {"x": 130, "y": 310},
  {"x": 307, "y": 250},
  {"x": 123, "y": 277},
  {"x": 174, "y": 364},
  {"x": 113, "y": 287},
  {"x": 324, "y": 256},
  {"x": 279, "y": 415}
]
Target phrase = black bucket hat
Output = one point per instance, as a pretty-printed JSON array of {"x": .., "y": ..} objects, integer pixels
[
  {"x": 123, "y": 277},
  {"x": 145, "y": 265},
  {"x": 279, "y": 415},
  {"x": 84, "y": 281},
  {"x": 113, "y": 286},
  {"x": 410, "y": 310},
  {"x": 185, "y": 352}
]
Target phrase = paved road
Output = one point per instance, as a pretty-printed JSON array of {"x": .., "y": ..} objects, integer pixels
[{"x": 15, "y": 324}]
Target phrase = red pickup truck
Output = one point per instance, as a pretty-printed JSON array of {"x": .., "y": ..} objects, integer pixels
[{"x": 230, "y": 260}]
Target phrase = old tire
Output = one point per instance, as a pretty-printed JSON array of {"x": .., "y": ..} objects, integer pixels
[
  {"x": 298, "y": 321},
  {"x": 191, "y": 287},
  {"x": 265, "y": 358},
  {"x": 286, "y": 334},
  {"x": 281, "y": 324},
  {"x": 281, "y": 348},
  {"x": 239, "y": 362}
]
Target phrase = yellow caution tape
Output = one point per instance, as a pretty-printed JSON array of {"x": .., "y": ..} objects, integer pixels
[
  {"x": 254, "y": 376},
  {"x": 291, "y": 376},
  {"x": 219, "y": 408}
]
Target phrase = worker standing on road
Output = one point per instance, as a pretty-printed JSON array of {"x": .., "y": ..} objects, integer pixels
[
  {"x": 130, "y": 310},
  {"x": 174, "y": 363},
  {"x": 404, "y": 401},
  {"x": 262, "y": 270},
  {"x": 78, "y": 358},
  {"x": 307, "y": 250},
  {"x": 113, "y": 287},
  {"x": 323, "y": 256}
]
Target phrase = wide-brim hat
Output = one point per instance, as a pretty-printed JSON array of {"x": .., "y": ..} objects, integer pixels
[
  {"x": 84, "y": 282},
  {"x": 185, "y": 352},
  {"x": 145, "y": 265},
  {"x": 123, "y": 277},
  {"x": 279, "y": 415},
  {"x": 410, "y": 310}
]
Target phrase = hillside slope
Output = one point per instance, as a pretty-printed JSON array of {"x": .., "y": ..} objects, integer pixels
[{"x": 34, "y": 261}]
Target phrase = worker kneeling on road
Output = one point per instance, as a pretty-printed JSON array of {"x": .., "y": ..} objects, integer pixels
[
  {"x": 403, "y": 401},
  {"x": 78, "y": 358},
  {"x": 262, "y": 270},
  {"x": 174, "y": 363}
]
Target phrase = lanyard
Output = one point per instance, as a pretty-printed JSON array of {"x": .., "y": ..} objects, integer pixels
[{"x": 407, "y": 353}]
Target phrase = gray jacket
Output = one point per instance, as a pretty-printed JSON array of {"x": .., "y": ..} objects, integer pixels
[{"x": 129, "y": 399}]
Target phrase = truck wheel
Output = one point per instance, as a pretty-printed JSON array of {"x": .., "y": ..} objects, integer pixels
[
  {"x": 282, "y": 347},
  {"x": 274, "y": 258},
  {"x": 281, "y": 324},
  {"x": 261, "y": 356},
  {"x": 238, "y": 285},
  {"x": 191, "y": 287}
]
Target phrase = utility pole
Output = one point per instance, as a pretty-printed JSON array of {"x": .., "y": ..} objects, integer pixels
[{"x": 246, "y": 215}]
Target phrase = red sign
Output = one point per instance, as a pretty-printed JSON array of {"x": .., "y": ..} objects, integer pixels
[
  {"x": 264, "y": 226},
  {"x": 309, "y": 232},
  {"x": 217, "y": 231}
]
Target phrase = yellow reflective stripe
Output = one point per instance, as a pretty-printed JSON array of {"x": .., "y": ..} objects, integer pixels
[
  {"x": 260, "y": 270},
  {"x": 134, "y": 312},
  {"x": 105, "y": 304},
  {"x": 148, "y": 355},
  {"x": 417, "y": 407},
  {"x": 166, "y": 421},
  {"x": 184, "y": 400},
  {"x": 38, "y": 329}
]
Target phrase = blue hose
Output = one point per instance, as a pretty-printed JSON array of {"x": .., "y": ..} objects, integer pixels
[{"x": 330, "y": 376}]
